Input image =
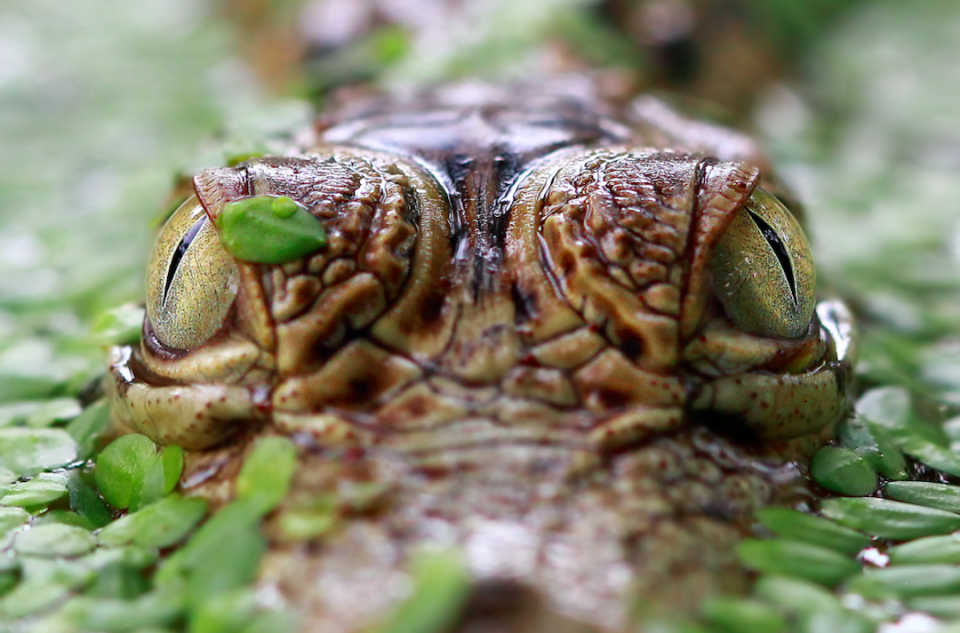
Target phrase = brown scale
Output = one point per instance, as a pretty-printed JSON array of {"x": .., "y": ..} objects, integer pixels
[{"x": 514, "y": 338}]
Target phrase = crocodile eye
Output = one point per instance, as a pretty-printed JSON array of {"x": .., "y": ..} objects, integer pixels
[
  {"x": 191, "y": 280},
  {"x": 763, "y": 271}
]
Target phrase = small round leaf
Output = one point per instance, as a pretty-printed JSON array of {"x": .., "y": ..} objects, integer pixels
[
  {"x": 121, "y": 469},
  {"x": 269, "y": 229},
  {"x": 843, "y": 471}
]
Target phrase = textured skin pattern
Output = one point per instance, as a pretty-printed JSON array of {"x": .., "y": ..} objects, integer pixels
[{"x": 510, "y": 346}]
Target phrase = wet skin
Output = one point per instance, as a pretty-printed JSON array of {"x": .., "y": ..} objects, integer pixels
[{"x": 579, "y": 345}]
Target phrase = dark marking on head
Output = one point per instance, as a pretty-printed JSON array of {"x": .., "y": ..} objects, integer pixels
[
  {"x": 614, "y": 398},
  {"x": 631, "y": 345},
  {"x": 431, "y": 311},
  {"x": 524, "y": 304},
  {"x": 458, "y": 167},
  {"x": 325, "y": 345},
  {"x": 477, "y": 148},
  {"x": 506, "y": 168},
  {"x": 363, "y": 388}
]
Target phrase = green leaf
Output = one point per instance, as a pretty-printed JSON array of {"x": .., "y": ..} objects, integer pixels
[
  {"x": 86, "y": 502},
  {"x": 65, "y": 517},
  {"x": 889, "y": 414},
  {"x": 116, "y": 616},
  {"x": 796, "y": 596},
  {"x": 798, "y": 560},
  {"x": 116, "y": 580},
  {"x": 890, "y": 519},
  {"x": 17, "y": 412},
  {"x": 265, "y": 477},
  {"x": 887, "y": 407},
  {"x": 223, "y": 554},
  {"x": 234, "y": 566},
  {"x": 8, "y": 580},
  {"x": 30, "y": 451},
  {"x": 269, "y": 229},
  {"x": 794, "y": 525},
  {"x": 931, "y": 454},
  {"x": 906, "y": 581},
  {"x": 172, "y": 460},
  {"x": 86, "y": 428},
  {"x": 122, "y": 468},
  {"x": 120, "y": 325},
  {"x": 26, "y": 384},
  {"x": 160, "y": 525},
  {"x": 122, "y": 531},
  {"x": 171, "y": 577},
  {"x": 278, "y": 621},
  {"x": 224, "y": 613},
  {"x": 12, "y": 518},
  {"x": 152, "y": 486},
  {"x": 54, "y": 539},
  {"x": 29, "y": 597},
  {"x": 43, "y": 489},
  {"x": 951, "y": 429},
  {"x": 69, "y": 572},
  {"x": 836, "y": 622},
  {"x": 39, "y": 413},
  {"x": 945, "y": 607},
  {"x": 9, "y": 564},
  {"x": 856, "y": 433},
  {"x": 160, "y": 476},
  {"x": 738, "y": 615},
  {"x": 929, "y": 550},
  {"x": 54, "y": 410},
  {"x": 923, "y": 493},
  {"x": 232, "y": 160},
  {"x": 441, "y": 584},
  {"x": 130, "y": 556},
  {"x": 842, "y": 470}
]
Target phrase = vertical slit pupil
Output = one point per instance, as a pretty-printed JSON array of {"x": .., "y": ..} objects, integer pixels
[
  {"x": 779, "y": 249},
  {"x": 179, "y": 252}
]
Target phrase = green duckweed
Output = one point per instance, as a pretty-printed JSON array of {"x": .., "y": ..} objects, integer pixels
[{"x": 269, "y": 229}]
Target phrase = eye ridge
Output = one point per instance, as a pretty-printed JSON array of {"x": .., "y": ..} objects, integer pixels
[
  {"x": 779, "y": 249},
  {"x": 178, "y": 254}
]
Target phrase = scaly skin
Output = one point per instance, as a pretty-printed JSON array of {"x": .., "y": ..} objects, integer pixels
[{"x": 511, "y": 342}]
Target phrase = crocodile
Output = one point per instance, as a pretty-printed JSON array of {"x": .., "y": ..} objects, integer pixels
[{"x": 577, "y": 343}]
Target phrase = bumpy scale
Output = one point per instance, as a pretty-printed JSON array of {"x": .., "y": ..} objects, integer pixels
[{"x": 581, "y": 349}]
